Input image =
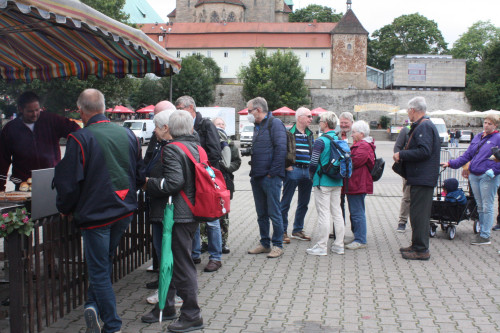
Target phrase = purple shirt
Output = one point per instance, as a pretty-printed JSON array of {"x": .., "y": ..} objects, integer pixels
[{"x": 479, "y": 162}]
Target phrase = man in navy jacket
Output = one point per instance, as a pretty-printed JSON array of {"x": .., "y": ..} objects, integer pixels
[
  {"x": 267, "y": 174},
  {"x": 96, "y": 184},
  {"x": 421, "y": 169}
]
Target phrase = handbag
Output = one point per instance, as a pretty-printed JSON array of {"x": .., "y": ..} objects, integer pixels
[
  {"x": 397, "y": 167},
  {"x": 378, "y": 168}
]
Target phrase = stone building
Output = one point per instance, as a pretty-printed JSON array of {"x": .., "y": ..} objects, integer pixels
[{"x": 215, "y": 11}]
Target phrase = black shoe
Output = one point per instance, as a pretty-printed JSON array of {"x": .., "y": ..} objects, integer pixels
[
  {"x": 225, "y": 249},
  {"x": 152, "y": 285},
  {"x": 181, "y": 325},
  {"x": 204, "y": 247},
  {"x": 496, "y": 227},
  {"x": 332, "y": 236},
  {"x": 197, "y": 261},
  {"x": 154, "y": 315}
]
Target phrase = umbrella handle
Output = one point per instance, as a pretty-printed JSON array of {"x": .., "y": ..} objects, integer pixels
[{"x": 170, "y": 200}]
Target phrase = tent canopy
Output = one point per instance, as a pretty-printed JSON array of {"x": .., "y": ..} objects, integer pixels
[
  {"x": 283, "y": 111},
  {"x": 47, "y": 39},
  {"x": 146, "y": 109},
  {"x": 120, "y": 109}
]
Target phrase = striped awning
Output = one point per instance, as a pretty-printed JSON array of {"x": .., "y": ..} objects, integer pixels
[{"x": 47, "y": 39}]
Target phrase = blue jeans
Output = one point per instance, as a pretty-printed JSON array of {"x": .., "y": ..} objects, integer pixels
[
  {"x": 356, "y": 204},
  {"x": 100, "y": 245},
  {"x": 484, "y": 189},
  {"x": 266, "y": 194},
  {"x": 214, "y": 241},
  {"x": 298, "y": 177}
]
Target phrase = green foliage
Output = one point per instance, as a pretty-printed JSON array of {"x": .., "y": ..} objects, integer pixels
[
  {"x": 317, "y": 12},
  {"x": 407, "y": 34},
  {"x": 385, "y": 121},
  {"x": 17, "y": 220},
  {"x": 483, "y": 84},
  {"x": 473, "y": 43},
  {"x": 111, "y": 8},
  {"x": 198, "y": 78},
  {"x": 278, "y": 78}
]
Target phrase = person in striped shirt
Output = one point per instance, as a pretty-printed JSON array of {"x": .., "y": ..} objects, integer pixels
[{"x": 298, "y": 176}]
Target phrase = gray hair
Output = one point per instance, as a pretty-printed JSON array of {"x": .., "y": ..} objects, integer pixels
[
  {"x": 91, "y": 101},
  {"x": 418, "y": 104},
  {"x": 330, "y": 118},
  {"x": 259, "y": 102},
  {"x": 161, "y": 119},
  {"x": 186, "y": 101},
  {"x": 301, "y": 111},
  {"x": 213, "y": 121},
  {"x": 347, "y": 115},
  {"x": 180, "y": 123},
  {"x": 361, "y": 126}
]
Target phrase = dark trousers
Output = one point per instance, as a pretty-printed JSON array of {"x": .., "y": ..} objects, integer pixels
[
  {"x": 498, "y": 216},
  {"x": 184, "y": 278},
  {"x": 420, "y": 214}
]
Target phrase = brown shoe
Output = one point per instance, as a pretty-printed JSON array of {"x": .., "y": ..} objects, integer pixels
[
  {"x": 301, "y": 236},
  {"x": 406, "y": 249},
  {"x": 286, "y": 239},
  {"x": 413, "y": 255},
  {"x": 212, "y": 266},
  {"x": 259, "y": 249},
  {"x": 275, "y": 252}
]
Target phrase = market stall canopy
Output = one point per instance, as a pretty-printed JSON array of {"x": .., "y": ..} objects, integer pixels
[
  {"x": 283, "y": 111},
  {"x": 120, "y": 109},
  {"x": 243, "y": 112},
  {"x": 47, "y": 39},
  {"x": 318, "y": 111},
  {"x": 147, "y": 109}
]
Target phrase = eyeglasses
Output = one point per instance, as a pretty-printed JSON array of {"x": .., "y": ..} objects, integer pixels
[
  {"x": 252, "y": 110},
  {"x": 310, "y": 117}
]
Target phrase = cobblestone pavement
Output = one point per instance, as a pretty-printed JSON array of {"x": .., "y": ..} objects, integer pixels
[{"x": 366, "y": 290}]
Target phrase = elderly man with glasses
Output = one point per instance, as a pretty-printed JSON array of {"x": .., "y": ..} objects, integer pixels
[{"x": 297, "y": 175}]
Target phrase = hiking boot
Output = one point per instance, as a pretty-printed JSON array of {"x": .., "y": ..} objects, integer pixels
[
  {"x": 401, "y": 227},
  {"x": 259, "y": 249},
  {"x": 337, "y": 249},
  {"x": 355, "y": 246},
  {"x": 286, "y": 239},
  {"x": 212, "y": 266},
  {"x": 275, "y": 252},
  {"x": 478, "y": 240},
  {"x": 301, "y": 236},
  {"x": 316, "y": 251},
  {"x": 413, "y": 255},
  {"x": 182, "y": 325},
  {"x": 406, "y": 249},
  {"x": 496, "y": 227},
  {"x": 91, "y": 320},
  {"x": 153, "y": 299}
]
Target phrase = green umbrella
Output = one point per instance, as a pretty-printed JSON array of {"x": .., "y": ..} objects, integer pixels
[{"x": 167, "y": 259}]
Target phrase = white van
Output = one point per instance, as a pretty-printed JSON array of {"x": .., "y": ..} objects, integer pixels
[
  {"x": 142, "y": 128},
  {"x": 443, "y": 132},
  {"x": 246, "y": 135}
]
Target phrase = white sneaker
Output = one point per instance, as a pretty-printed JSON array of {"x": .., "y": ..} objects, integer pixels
[
  {"x": 355, "y": 246},
  {"x": 337, "y": 249},
  {"x": 153, "y": 299},
  {"x": 178, "y": 301},
  {"x": 316, "y": 251}
]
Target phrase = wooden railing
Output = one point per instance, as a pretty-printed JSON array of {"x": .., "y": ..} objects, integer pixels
[{"x": 47, "y": 271}]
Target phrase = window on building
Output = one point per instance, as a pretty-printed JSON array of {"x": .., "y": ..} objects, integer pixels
[
  {"x": 178, "y": 54},
  {"x": 226, "y": 69},
  {"x": 307, "y": 54},
  {"x": 214, "y": 17},
  {"x": 231, "y": 17},
  {"x": 323, "y": 54},
  {"x": 209, "y": 53},
  {"x": 323, "y": 69},
  {"x": 160, "y": 38},
  {"x": 349, "y": 46},
  {"x": 226, "y": 54},
  {"x": 244, "y": 53},
  {"x": 307, "y": 69}
]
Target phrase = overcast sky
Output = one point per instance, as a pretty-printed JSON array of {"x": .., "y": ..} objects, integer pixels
[{"x": 453, "y": 17}]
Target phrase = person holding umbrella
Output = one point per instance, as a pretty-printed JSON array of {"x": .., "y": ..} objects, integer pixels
[{"x": 174, "y": 174}]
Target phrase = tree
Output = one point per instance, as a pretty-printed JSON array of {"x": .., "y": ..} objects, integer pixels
[
  {"x": 407, "y": 34},
  {"x": 473, "y": 43},
  {"x": 111, "y": 8},
  {"x": 483, "y": 84},
  {"x": 278, "y": 78},
  {"x": 198, "y": 78},
  {"x": 315, "y": 12}
]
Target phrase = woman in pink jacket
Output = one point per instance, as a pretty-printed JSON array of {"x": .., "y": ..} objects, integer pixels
[{"x": 360, "y": 184}]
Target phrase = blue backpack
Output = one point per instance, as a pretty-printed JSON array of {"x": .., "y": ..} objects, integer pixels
[{"x": 340, "y": 163}]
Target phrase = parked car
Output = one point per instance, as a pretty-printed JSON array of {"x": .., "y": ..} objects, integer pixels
[
  {"x": 246, "y": 135},
  {"x": 143, "y": 129},
  {"x": 465, "y": 136}
]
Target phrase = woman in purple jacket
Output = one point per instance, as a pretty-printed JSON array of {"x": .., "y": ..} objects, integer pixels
[{"x": 484, "y": 175}]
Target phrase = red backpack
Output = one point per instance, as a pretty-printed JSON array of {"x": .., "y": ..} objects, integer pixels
[{"x": 212, "y": 198}]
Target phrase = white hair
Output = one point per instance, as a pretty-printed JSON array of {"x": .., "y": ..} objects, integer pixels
[
  {"x": 180, "y": 123},
  {"x": 301, "y": 111},
  {"x": 346, "y": 115},
  {"x": 330, "y": 118},
  {"x": 418, "y": 104},
  {"x": 361, "y": 126},
  {"x": 161, "y": 119}
]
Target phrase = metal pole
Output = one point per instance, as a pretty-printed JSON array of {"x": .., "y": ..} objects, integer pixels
[{"x": 171, "y": 83}]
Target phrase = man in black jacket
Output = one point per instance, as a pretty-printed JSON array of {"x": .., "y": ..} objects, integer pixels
[
  {"x": 209, "y": 140},
  {"x": 421, "y": 169},
  {"x": 96, "y": 184}
]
